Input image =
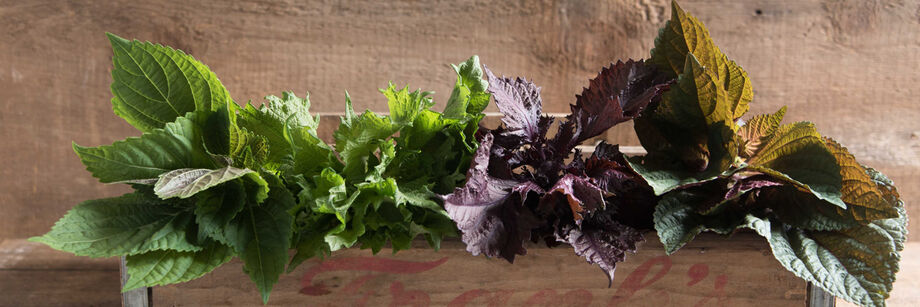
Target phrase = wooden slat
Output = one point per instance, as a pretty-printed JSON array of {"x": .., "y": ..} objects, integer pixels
[
  {"x": 32, "y": 274},
  {"x": 140, "y": 297},
  {"x": 711, "y": 271},
  {"x": 817, "y": 297}
]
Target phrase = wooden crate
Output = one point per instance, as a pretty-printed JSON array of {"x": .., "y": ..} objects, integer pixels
[{"x": 710, "y": 271}]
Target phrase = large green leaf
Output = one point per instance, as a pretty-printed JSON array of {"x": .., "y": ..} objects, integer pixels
[
  {"x": 156, "y": 152},
  {"x": 261, "y": 235},
  {"x": 469, "y": 96},
  {"x": 797, "y": 154},
  {"x": 857, "y": 264},
  {"x": 683, "y": 36},
  {"x": 804, "y": 210},
  {"x": 217, "y": 207},
  {"x": 186, "y": 182},
  {"x": 127, "y": 225},
  {"x": 664, "y": 175},
  {"x": 678, "y": 220},
  {"x": 153, "y": 84},
  {"x": 163, "y": 267}
]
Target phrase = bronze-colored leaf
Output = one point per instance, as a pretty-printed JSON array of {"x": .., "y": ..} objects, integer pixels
[{"x": 865, "y": 201}]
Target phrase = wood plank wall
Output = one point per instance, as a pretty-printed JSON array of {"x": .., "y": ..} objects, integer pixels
[{"x": 848, "y": 66}]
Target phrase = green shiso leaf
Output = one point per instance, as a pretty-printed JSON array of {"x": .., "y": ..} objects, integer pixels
[
  {"x": 260, "y": 234},
  {"x": 857, "y": 264},
  {"x": 163, "y": 267},
  {"x": 215, "y": 180},
  {"x": 127, "y": 225},
  {"x": 154, "y": 84},
  {"x": 176, "y": 146}
]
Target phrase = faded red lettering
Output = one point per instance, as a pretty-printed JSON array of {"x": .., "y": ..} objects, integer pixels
[
  {"x": 697, "y": 273},
  {"x": 634, "y": 281}
]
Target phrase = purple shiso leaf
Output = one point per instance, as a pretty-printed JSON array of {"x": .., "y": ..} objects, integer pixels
[
  {"x": 490, "y": 212},
  {"x": 520, "y": 102},
  {"x": 609, "y": 170},
  {"x": 618, "y": 93},
  {"x": 602, "y": 241},
  {"x": 582, "y": 196}
]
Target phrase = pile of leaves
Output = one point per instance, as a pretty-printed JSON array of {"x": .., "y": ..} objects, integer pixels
[
  {"x": 828, "y": 219},
  {"x": 524, "y": 185},
  {"x": 214, "y": 180}
]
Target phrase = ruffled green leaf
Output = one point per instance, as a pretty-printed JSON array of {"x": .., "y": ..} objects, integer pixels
[
  {"x": 358, "y": 137},
  {"x": 272, "y": 122},
  {"x": 469, "y": 96},
  {"x": 311, "y": 154},
  {"x": 405, "y": 106}
]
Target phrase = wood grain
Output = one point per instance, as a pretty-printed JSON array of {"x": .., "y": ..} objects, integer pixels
[
  {"x": 711, "y": 271},
  {"x": 32, "y": 274},
  {"x": 848, "y": 66}
]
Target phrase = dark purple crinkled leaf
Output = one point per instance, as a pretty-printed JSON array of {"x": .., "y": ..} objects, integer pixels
[
  {"x": 609, "y": 170},
  {"x": 632, "y": 198},
  {"x": 489, "y": 211},
  {"x": 602, "y": 241},
  {"x": 520, "y": 102},
  {"x": 618, "y": 93},
  {"x": 582, "y": 196}
]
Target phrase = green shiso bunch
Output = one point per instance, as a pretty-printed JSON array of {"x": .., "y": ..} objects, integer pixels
[{"x": 214, "y": 180}]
